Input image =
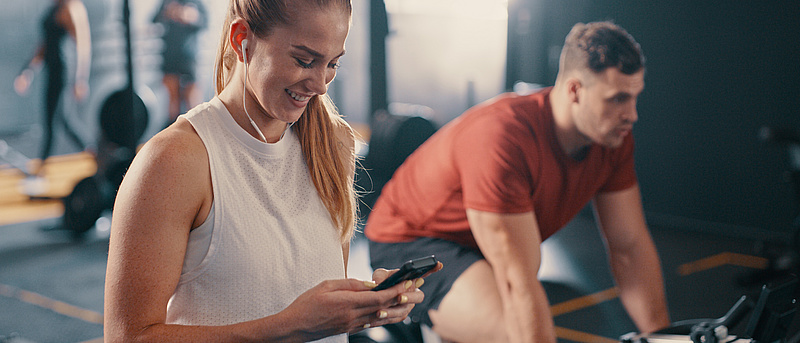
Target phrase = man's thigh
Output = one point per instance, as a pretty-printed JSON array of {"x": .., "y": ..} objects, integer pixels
[
  {"x": 455, "y": 258},
  {"x": 472, "y": 310}
]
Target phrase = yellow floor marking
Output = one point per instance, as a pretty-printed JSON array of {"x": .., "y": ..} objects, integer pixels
[
  {"x": 51, "y": 304},
  {"x": 583, "y": 302},
  {"x": 720, "y": 260},
  {"x": 578, "y": 336},
  {"x": 748, "y": 261},
  {"x": 61, "y": 172}
]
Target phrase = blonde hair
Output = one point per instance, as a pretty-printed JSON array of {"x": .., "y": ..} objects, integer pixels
[{"x": 329, "y": 161}]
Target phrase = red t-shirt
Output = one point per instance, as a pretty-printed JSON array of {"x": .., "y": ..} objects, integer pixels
[{"x": 500, "y": 156}]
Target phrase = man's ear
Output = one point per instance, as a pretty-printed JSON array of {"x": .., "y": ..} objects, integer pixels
[
  {"x": 574, "y": 88},
  {"x": 239, "y": 32}
]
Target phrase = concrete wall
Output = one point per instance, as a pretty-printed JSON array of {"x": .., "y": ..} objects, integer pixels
[{"x": 717, "y": 71}]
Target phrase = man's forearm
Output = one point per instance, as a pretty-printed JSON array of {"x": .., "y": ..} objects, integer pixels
[
  {"x": 527, "y": 315},
  {"x": 641, "y": 284}
]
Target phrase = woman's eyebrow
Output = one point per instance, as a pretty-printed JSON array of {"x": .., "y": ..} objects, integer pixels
[{"x": 313, "y": 52}]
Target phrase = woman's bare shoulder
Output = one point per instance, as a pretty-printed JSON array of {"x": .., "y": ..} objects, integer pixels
[
  {"x": 179, "y": 143},
  {"x": 175, "y": 157}
]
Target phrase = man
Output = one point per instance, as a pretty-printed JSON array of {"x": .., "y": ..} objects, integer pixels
[{"x": 490, "y": 186}]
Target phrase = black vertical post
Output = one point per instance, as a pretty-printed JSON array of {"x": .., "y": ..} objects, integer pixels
[
  {"x": 126, "y": 115},
  {"x": 126, "y": 23},
  {"x": 379, "y": 30}
]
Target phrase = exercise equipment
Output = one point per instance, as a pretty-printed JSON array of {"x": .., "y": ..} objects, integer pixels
[
  {"x": 123, "y": 116},
  {"x": 83, "y": 205},
  {"x": 123, "y": 121},
  {"x": 15, "y": 158},
  {"x": 769, "y": 319},
  {"x": 394, "y": 137},
  {"x": 783, "y": 257}
]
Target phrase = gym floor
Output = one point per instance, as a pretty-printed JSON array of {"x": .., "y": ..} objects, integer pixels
[{"x": 51, "y": 284}]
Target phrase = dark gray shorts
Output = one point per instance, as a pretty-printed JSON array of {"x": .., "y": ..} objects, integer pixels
[{"x": 456, "y": 259}]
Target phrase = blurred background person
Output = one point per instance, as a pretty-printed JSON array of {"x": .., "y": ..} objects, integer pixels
[
  {"x": 66, "y": 18},
  {"x": 181, "y": 20}
]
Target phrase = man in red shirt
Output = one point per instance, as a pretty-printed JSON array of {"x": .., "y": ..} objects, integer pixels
[{"x": 484, "y": 191}]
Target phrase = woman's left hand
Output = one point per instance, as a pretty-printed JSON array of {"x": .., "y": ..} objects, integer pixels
[{"x": 408, "y": 296}]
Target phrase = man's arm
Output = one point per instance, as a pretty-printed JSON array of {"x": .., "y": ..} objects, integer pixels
[
  {"x": 511, "y": 245},
  {"x": 633, "y": 258}
]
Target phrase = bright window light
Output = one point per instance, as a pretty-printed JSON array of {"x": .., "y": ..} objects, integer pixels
[{"x": 486, "y": 9}]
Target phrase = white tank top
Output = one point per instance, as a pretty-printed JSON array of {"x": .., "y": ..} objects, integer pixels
[{"x": 270, "y": 236}]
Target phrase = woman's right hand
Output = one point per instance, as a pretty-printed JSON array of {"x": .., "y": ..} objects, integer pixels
[{"x": 338, "y": 306}]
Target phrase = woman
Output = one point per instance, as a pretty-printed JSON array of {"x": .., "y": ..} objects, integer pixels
[
  {"x": 66, "y": 18},
  {"x": 182, "y": 21},
  {"x": 233, "y": 224}
]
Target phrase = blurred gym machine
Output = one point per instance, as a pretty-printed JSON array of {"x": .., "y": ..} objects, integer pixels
[
  {"x": 123, "y": 121},
  {"x": 783, "y": 257},
  {"x": 14, "y": 158},
  {"x": 394, "y": 136},
  {"x": 770, "y": 316}
]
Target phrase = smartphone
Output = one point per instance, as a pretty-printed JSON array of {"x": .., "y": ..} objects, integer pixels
[{"x": 410, "y": 270}]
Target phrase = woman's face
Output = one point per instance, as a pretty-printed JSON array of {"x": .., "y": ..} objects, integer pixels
[{"x": 296, "y": 62}]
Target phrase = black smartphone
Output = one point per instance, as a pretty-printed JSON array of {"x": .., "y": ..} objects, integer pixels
[{"x": 410, "y": 270}]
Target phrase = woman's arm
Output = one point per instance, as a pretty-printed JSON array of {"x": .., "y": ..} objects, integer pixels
[{"x": 157, "y": 204}]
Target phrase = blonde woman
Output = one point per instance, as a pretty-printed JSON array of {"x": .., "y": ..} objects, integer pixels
[{"x": 234, "y": 223}]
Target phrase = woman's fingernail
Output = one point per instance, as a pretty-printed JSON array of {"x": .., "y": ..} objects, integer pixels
[
  {"x": 403, "y": 299},
  {"x": 370, "y": 284},
  {"x": 367, "y": 326},
  {"x": 382, "y": 314},
  {"x": 408, "y": 284},
  {"x": 420, "y": 281}
]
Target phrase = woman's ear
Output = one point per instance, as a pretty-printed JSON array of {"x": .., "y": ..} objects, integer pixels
[{"x": 238, "y": 38}]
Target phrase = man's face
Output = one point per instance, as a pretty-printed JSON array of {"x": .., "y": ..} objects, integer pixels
[{"x": 606, "y": 107}]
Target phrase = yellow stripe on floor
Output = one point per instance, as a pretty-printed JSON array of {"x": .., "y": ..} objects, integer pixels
[
  {"x": 61, "y": 172},
  {"x": 578, "y": 336},
  {"x": 721, "y": 259},
  {"x": 583, "y": 302},
  {"x": 51, "y": 304}
]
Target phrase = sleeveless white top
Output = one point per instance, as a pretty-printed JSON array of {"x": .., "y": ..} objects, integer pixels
[{"x": 268, "y": 238}]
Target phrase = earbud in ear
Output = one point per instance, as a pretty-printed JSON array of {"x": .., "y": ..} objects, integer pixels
[{"x": 244, "y": 49}]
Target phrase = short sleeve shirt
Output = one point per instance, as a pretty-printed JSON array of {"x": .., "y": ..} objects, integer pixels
[{"x": 501, "y": 156}]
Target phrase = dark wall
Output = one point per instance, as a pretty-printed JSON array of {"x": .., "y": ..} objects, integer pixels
[{"x": 717, "y": 71}]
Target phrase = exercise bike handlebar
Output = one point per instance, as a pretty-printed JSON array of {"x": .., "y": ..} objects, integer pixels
[
  {"x": 733, "y": 317},
  {"x": 698, "y": 327}
]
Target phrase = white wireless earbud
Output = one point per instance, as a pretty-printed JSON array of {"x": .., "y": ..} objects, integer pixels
[
  {"x": 244, "y": 91},
  {"x": 244, "y": 49}
]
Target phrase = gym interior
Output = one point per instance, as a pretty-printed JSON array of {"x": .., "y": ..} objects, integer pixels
[{"x": 717, "y": 148}]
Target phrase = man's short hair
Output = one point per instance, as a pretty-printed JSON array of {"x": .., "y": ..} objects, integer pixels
[{"x": 598, "y": 46}]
